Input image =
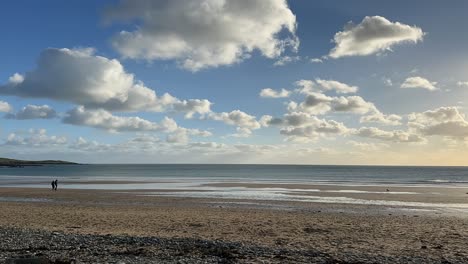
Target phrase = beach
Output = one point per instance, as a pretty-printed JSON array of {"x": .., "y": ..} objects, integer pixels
[{"x": 245, "y": 230}]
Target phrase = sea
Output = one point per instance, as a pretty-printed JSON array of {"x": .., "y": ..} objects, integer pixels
[
  {"x": 372, "y": 175},
  {"x": 206, "y": 181}
]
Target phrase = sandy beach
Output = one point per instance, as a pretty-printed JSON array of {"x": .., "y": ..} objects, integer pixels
[{"x": 343, "y": 233}]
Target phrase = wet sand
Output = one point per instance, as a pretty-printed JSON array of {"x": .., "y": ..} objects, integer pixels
[{"x": 334, "y": 229}]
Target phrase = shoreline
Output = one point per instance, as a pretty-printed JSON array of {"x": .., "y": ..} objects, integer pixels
[{"x": 446, "y": 200}]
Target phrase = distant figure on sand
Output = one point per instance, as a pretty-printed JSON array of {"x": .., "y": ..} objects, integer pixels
[
  {"x": 56, "y": 183},
  {"x": 53, "y": 185}
]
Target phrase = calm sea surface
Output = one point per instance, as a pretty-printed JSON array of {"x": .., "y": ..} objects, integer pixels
[
  {"x": 255, "y": 173},
  {"x": 202, "y": 181}
]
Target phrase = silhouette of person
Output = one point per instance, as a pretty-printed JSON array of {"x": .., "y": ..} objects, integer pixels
[
  {"x": 53, "y": 185},
  {"x": 56, "y": 183}
]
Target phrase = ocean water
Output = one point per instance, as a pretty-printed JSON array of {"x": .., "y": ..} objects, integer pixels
[
  {"x": 372, "y": 175},
  {"x": 196, "y": 181}
]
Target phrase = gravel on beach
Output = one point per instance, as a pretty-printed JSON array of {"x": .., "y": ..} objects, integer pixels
[{"x": 18, "y": 245}]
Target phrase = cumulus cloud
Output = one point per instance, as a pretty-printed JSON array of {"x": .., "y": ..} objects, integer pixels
[
  {"x": 373, "y": 35},
  {"x": 308, "y": 86},
  {"x": 236, "y": 118},
  {"x": 192, "y": 106},
  {"x": 398, "y": 136},
  {"x": 270, "y": 93},
  {"x": 339, "y": 87},
  {"x": 294, "y": 119},
  {"x": 202, "y": 34},
  {"x": 35, "y": 138},
  {"x": 101, "y": 119},
  {"x": 303, "y": 127},
  {"x": 353, "y": 104},
  {"x": 301, "y": 119},
  {"x": 319, "y": 104},
  {"x": 16, "y": 78},
  {"x": 5, "y": 107},
  {"x": 34, "y": 112},
  {"x": 305, "y": 86},
  {"x": 419, "y": 82},
  {"x": 443, "y": 121},
  {"x": 379, "y": 118},
  {"x": 314, "y": 103},
  {"x": 81, "y": 77}
]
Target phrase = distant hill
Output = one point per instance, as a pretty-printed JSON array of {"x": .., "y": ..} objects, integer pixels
[{"x": 19, "y": 163}]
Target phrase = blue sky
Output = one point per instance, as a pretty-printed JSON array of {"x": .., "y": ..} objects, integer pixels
[{"x": 414, "y": 68}]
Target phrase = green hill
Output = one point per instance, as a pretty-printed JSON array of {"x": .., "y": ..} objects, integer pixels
[{"x": 4, "y": 162}]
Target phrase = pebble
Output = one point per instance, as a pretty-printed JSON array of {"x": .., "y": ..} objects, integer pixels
[{"x": 21, "y": 246}]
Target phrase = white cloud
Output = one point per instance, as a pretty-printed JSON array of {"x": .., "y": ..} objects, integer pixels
[
  {"x": 387, "y": 81},
  {"x": 398, "y": 136},
  {"x": 290, "y": 119},
  {"x": 443, "y": 121},
  {"x": 16, "y": 78},
  {"x": 270, "y": 93},
  {"x": 286, "y": 60},
  {"x": 314, "y": 103},
  {"x": 379, "y": 118},
  {"x": 316, "y": 60},
  {"x": 300, "y": 127},
  {"x": 462, "y": 84},
  {"x": 35, "y": 138},
  {"x": 353, "y": 104},
  {"x": 83, "y": 144},
  {"x": 309, "y": 86},
  {"x": 419, "y": 82},
  {"x": 319, "y": 104},
  {"x": 236, "y": 118},
  {"x": 5, "y": 107},
  {"x": 242, "y": 132},
  {"x": 80, "y": 77},
  {"x": 101, "y": 119},
  {"x": 300, "y": 119},
  {"x": 305, "y": 86},
  {"x": 34, "y": 112},
  {"x": 202, "y": 34},
  {"x": 192, "y": 106},
  {"x": 373, "y": 35},
  {"x": 180, "y": 137},
  {"x": 339, "y": 87}
]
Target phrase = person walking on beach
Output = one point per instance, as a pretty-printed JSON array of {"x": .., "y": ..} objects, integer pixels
[{"x": 55, "y": 183}]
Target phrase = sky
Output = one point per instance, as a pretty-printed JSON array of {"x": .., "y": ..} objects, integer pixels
[{"x": 228, "y": 81}]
